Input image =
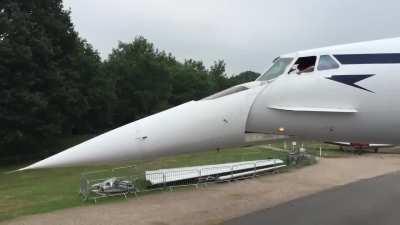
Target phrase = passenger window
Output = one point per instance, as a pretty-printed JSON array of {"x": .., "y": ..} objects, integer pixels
[
  {"x": 304, "y": 65},
  {"x": 326, "y": 62}
]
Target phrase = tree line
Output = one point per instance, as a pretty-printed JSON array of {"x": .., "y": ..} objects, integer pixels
[{"x": 53, "y": 83}]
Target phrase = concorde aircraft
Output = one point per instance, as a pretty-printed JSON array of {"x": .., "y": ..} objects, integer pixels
[{"x": 341, "y": 93}]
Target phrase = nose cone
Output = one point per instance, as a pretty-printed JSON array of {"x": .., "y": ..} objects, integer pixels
[
  {"x": 194, "y": 126},
  {"x": 112, "y": 146}
]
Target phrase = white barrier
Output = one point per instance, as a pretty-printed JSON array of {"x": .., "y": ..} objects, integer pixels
[
  {"x": 248, "y": 173},
  {"x": 164, "y": 176}
]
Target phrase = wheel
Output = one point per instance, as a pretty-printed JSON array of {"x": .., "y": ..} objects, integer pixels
[{"x": 376, "y": 150}]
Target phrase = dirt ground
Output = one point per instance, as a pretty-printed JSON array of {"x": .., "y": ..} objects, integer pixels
[{"x": 217, "y": 203}]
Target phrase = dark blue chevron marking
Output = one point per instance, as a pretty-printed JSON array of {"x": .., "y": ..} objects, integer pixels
[
  {"x": 351, "y": 80},
  {"x": 386, "y": 58}
]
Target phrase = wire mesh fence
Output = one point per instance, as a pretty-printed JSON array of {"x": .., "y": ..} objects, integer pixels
[
  {"x": 153, "y": 175},
  {"x": 125, "y": 181},
  {"x": 107, "y": 183}
]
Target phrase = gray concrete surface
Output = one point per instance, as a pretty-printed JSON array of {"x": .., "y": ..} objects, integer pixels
[{"x": 366, "y": 202}]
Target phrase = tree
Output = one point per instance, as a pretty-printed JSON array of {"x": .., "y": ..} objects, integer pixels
[
  {"x": 218, "y": 76},
  {"x": 97, "y": 88},
  {"x": 142, "y": 79},
  {"x": 190, "y": 81},
  {"x": 54, "y": 83},
  {"x": 44, "y": 71},
  {"x": 244, "y": 77}
]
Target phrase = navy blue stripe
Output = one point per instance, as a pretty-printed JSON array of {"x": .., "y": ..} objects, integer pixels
[{"x": 387, "y": 58}]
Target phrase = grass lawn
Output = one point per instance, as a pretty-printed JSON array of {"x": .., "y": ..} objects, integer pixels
[{"x": 40, "y": 191}]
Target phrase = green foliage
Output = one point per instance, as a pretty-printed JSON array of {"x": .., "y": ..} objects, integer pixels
[
  {"x": 54, "y": 84},
  {"x": 147, "y": 80},
  {"x": 142, "y": 80},
  {"x": 189, "y": 81},
  {"x": 244, "y": 77},
  {"x": 51, "y": 81}
]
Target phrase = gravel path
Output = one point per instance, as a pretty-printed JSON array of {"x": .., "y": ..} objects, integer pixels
[{"x": 218, "y": 203}]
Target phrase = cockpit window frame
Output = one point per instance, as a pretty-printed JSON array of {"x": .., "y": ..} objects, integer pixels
[
  {"x": 332, "y": 58},
  {"x": 293, "y": 70},
  {"x": 289, "y": 64}
]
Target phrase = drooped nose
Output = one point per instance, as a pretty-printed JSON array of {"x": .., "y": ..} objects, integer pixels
[{"x": 194, "y": 126}]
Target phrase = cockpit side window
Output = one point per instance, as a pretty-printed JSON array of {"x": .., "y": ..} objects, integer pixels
[
  {"x": 326, "y": 62},
  {"x": 278, "y": 68},
  {"x": 304, "y": 65}
]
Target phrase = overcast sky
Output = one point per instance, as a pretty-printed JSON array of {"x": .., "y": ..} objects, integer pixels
[{"x": 247, "y": 34}]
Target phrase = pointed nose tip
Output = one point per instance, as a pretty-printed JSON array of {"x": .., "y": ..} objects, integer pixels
[
  {"x": 26, "y": 168},
  {"x": 115, "y": 146}
]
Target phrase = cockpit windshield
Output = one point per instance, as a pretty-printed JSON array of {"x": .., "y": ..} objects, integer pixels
[{"x": 278, "y": 68}]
